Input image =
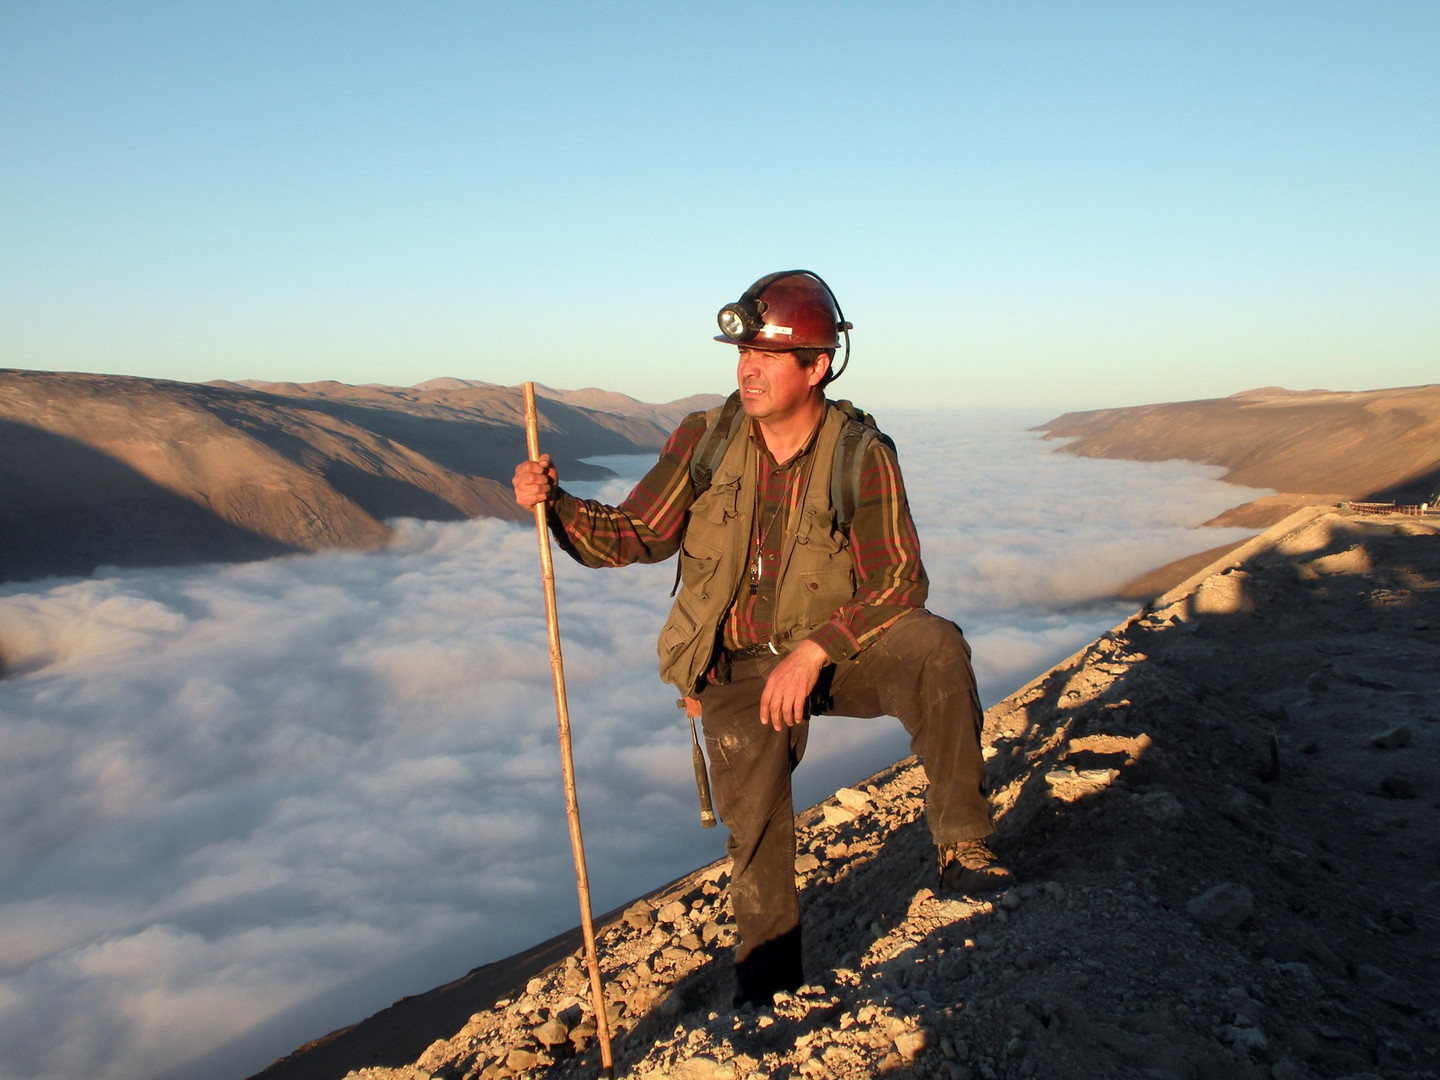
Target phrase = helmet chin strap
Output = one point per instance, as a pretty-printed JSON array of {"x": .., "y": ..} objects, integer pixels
[
  {"x": 842, "y": 326},
  {"x": 845, "y": 329}
]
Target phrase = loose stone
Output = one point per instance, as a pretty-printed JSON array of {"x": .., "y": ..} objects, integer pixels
[
  {"x": 1393, "y": 739},
  {"x": 910, "y": 1044},
  {"x": 671, "y": 913},
  {"x": 1385, "y": 987},
  {"x": 1226, "y": 905},
  {"x": 640, "y": 915},
  {"x": 1398, "y": 786},
  {"x": 521, "y": 1060}
]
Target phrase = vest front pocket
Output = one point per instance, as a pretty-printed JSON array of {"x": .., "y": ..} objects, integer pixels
[
  {"x": 679, "y": 628},
  {"x": 699, "y": 560},
  {"x": 719, "y": 505},
  {"x": 823, "y": 591}
]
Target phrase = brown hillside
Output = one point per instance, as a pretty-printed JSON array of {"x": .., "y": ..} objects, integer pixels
[
  {"x": 98, "y": 469},
  {"x": 1370, "y": 444}
]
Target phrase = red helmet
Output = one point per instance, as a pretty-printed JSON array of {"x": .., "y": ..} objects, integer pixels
[{"x": 793, "y": 309}]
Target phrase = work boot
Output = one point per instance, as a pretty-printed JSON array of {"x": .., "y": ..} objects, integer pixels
[
  {"x": 970, "y": 867},
  {"x": 770, "y": 967}
]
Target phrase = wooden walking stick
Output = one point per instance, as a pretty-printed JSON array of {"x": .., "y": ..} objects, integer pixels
[{"x": 567, "y": 761}]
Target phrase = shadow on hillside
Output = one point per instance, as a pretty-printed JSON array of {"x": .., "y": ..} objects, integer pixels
[
  {"x": 1078, "y": 720},
  {"x": 66, "y": 508},
  {"x": 385, "y": 497},
  {"x": 1422, "y": 487},
  {"x": 467, "y": 443}
]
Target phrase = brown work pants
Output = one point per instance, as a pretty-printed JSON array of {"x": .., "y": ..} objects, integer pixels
[{"x": 919, "y": 672}]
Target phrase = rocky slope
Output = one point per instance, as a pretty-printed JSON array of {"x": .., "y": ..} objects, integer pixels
[
  {"x": 1373, "y": 444},
  {"x": 1223, "y": 820},
  {"x": 106, "y": 469}
]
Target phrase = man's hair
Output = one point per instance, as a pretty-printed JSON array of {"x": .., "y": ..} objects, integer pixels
[{"x": 809, "y": 357}]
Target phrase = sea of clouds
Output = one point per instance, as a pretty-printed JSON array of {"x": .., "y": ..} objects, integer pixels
[{"x": 243, "y": 805}]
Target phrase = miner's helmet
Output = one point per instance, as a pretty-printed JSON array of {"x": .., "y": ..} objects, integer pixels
[{"x": 792, "y": 309}]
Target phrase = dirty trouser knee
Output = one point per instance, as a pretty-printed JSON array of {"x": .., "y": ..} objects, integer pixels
[
  {"x": 919, "y": 672},
  {"x": 750, "y": 766}
]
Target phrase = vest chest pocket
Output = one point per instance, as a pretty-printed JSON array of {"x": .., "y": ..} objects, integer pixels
[
  {"x": 718, "y": 505},
  {"x": 823, "y": 570},
  {"x": 822, "y": 591},
  {"x": 699, "y": 560},
  {"x": 713, "y": 519},
  {"x": 819, "y": 535}
]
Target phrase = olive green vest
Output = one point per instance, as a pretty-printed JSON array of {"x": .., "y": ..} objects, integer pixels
[{"x": 817, "y": 574}]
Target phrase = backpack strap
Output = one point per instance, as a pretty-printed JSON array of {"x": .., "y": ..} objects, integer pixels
[
  {"x": 855, "y": 439},
  {"x": 719, "y": 434}
]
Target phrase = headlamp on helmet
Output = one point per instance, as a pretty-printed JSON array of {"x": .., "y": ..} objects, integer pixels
[
  {"x": 782, "y": 312},
  {"x": 742, "y": 320}
]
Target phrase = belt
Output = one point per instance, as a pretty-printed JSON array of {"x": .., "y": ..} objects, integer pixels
[
  {"x": 752, "y": 652},
  {"x": 726, "y": 659}
]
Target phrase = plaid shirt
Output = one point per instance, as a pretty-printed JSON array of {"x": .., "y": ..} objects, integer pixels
[{"x": 648, "y": 525}]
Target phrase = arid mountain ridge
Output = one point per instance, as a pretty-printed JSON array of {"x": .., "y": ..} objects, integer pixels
[
  {"x": 106, "y": 469},
  {"x": 1371, "y": 444}
]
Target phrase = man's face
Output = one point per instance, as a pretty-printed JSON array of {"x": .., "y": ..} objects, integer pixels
[{"x": 773, "y": 385}]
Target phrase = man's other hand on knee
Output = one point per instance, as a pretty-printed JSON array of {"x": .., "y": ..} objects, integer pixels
[{"x": 786, "y": 699}]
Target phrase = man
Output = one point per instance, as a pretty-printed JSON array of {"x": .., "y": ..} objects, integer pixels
[{"x": 784, "y": 613}]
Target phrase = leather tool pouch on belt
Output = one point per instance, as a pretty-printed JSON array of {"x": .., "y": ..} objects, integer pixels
[{"x": 720, "y": 673}]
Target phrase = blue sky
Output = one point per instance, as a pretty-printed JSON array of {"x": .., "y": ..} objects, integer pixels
[{"x": 1049, "y": 205}]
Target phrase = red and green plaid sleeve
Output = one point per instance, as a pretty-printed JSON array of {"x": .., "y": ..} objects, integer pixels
[{"x": 646, "y": 526}]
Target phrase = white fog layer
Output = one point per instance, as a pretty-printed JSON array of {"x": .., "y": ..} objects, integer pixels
[{"x": 243, "y": 805}]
